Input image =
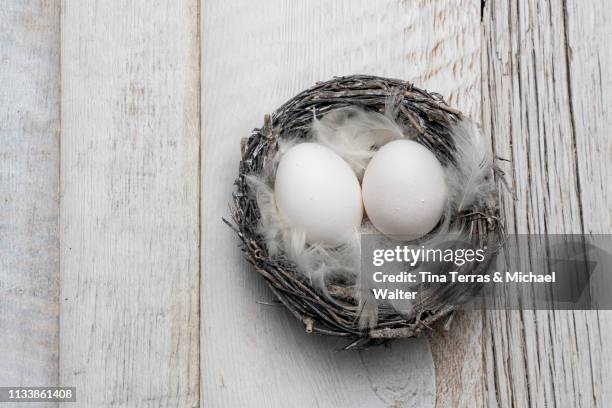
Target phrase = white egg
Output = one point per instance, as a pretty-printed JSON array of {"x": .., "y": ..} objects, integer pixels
[
  {"x": 317, "y": 192},
  {"x": 404, "y": 189}
]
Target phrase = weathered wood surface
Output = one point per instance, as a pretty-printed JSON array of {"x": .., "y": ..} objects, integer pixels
[
  {"x": 132, "y": 271},
  {"x": 255, "y": 57},
  {"x": 589, "y": 57},
  {"x": 130, "y": 200},
  {"x": 29, "y": 184},
  {"x": 546, "y": 89}
]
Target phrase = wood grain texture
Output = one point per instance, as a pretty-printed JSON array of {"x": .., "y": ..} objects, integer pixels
[
  {"x": 129, "y": 332},
  {"x": 588, "y": 34},
  {"x": 29, "y": 185},
  {"x": 589, "y": 58},
  {"x": 545, "y": 106},
  {"x": 130, "y": 202},
  {"x": 257, "y": 55}
]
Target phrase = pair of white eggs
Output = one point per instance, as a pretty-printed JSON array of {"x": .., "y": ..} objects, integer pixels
[{"x": 403, "y": 192}]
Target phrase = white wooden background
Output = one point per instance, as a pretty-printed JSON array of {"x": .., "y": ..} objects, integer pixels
[{"x": 119, "y": 130}]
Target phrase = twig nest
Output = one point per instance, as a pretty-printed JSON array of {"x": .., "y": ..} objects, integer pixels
[{"x": 425, "y": 170}]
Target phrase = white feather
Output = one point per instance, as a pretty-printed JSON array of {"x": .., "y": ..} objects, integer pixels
[
  {"x": 469, "y": 178},
  {"x": 356, "y": 135}
]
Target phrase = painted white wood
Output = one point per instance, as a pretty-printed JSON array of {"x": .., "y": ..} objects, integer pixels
[
  {"x": 590, "y": 62},
  {"x": 131, "y": 327},
  {"x": 130, "y": 206},
  {"x": 257, "y": 55},
  {"x": 546, "y": 106},
  {"x": 29, "y": 185}
]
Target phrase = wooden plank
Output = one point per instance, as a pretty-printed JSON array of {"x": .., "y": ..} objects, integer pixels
[
  {"x": 130, "y": 202},
  {"x": 590, "y": 68},
  {"x": 256, "y": 55},
  {"x": 590, "y": 86},
  {"x": 29, "y": 184},
  {"x": 448, "y": 37},
  {"x": 545, "y": 111}
]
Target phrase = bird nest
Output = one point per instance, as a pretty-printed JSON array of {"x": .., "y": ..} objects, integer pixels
[{"x": 426, "y": 115}]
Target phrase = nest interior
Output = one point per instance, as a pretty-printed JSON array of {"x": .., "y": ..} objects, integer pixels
[{"x": 431, "y": 119}]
